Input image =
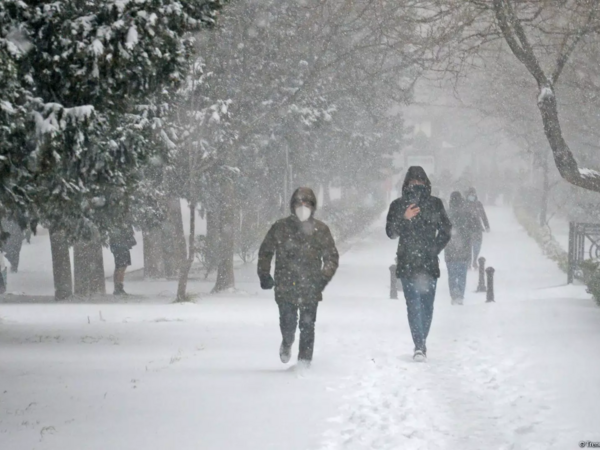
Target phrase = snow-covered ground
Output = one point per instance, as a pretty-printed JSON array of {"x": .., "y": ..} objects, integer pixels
[{"x": 521, "y": 373}]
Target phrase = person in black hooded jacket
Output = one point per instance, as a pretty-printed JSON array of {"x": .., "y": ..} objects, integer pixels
[
  {"x": 421, "y": 224},
  {"x": 306, "y": 260}
]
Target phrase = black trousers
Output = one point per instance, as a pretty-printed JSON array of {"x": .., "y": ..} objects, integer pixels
[{"x": 288, "y": 322}]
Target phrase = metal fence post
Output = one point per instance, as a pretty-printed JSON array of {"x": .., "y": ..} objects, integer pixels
[
  {"x": 571, "y": 269},
  {"x": 481, "y": 285},
  {"x": 490, "y": 284}
]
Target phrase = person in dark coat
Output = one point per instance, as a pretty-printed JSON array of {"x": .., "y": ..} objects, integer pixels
[
  {"x": 122, "y": 240},
  {"x": 420, "y": 222},
  {"x": 458, "y": 251},
  {"x": 12, "y": 246},
  {"x": 481, "y": 223},
  {"x": 306, "y": 259},
  {"x": 2, "y": 274}
]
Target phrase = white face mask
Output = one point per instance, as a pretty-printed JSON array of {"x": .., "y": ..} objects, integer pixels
[
  {"x": 303, "y": 213},
  {"x": 471, "y": 198}
]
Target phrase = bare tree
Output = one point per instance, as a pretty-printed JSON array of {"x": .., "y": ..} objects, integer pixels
[{"x": 544, "y": 36}]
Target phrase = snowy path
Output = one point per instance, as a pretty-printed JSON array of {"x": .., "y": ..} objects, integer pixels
[{"x": 519, "y": 374}]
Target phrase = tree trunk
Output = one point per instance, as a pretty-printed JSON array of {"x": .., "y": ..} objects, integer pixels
[
  {"x": 225, "y": 274},
  {"x": 154, "y": 266},
  {"x": 563, "y": 158},
  {"x": 174, "y": 247},
  {"x": 187, "y": 265},
  {"x": 61, "y": 265},
  {"x": 88, "y": 265},
  {"x": 212, "y": 241}
]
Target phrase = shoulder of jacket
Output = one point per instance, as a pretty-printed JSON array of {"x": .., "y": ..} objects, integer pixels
[
  {"x": 397, "y": 203},
  {"x": 285, "y": 220},
  {"x": 280, "y": 223},
  {"x": 320, "y": 225},
  {"x": 437, "y": 201}
]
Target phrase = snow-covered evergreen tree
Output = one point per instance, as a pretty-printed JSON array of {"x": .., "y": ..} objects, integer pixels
[
  {"x": 15, "y": 126},
  {"x": 94, "y": 80},
  {"x": 101, "y": 75}
]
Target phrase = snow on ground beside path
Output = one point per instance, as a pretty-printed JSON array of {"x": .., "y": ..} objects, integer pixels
[{"x": 518, "y": 374}]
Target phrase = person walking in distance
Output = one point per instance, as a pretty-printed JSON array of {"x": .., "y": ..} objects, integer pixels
[
  {"x": 481, "y": 223},
  {"x": 306, "y": 259},
  {"x": 13, "y": 244},
  {"x": 458, "y": 251},
  {"x": 122, "y": 240},
  {"x": 2, "y": 274},
  {"x": 421, "y": 224}
]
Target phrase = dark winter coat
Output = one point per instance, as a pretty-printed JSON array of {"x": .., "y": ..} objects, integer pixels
[
  {"x": 122, "y": 238},
  {"x": 463, "y": 225},
  {"x": 478, "y": 211},
  {"x": 423, "y": 238},
  {"x": 306, "y": 258},
  {"x": 12, "y": 246}
]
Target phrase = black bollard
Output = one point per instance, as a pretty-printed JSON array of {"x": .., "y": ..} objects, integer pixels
[
  {"x": 481, "y": 285},
  {"x": 490, "y": 284},
  {"x": 393, "y": 283}
]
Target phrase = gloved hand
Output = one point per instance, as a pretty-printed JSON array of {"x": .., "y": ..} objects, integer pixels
[
  {"x": 266, "y": 281},
  {"x": 322, "y": 283}
]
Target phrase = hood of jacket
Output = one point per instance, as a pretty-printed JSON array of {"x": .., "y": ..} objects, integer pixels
[
  {"x": 471, "y": 191},
  {"x": 456, "y": 202},
  {"x": 303, "y": 194},
  {"x": 416, "y": 173}
]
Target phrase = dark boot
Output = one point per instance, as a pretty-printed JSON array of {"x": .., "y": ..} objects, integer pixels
[
  {"x": 419, "y": 356},
  {"x": 119, "y": 290},
  {"x": 285, "y": 352},
  {"x": 303, "y": 364}
]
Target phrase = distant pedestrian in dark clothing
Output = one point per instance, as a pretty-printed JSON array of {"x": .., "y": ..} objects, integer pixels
[
  {"x": 12, "y": 246},
  {"x": 306, "y": 259},
  {"x": 458, "y": 251},
  {"x": 2, "y": 274},
  {"x": 420, "y": 222},
  {"x": 122, "y": 240},
  {"x": 481, "y": 223}
]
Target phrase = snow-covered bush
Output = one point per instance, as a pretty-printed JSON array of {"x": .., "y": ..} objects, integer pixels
[
  {"x": 543, "y": 236},
  {"x": 590, "y": 270},
  {"x": 591, "y": 278}
]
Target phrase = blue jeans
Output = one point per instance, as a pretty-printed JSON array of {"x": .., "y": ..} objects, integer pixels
[
  {"x": 419, "y": 292},
  {"x": 457, "y": 278}
]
